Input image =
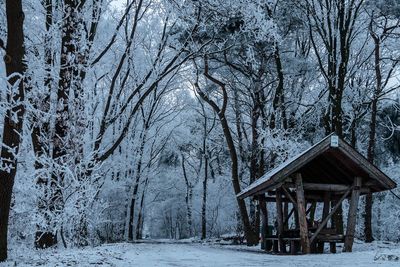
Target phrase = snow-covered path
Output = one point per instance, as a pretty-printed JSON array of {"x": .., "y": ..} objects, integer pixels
[{"x": 182, "y": 254}]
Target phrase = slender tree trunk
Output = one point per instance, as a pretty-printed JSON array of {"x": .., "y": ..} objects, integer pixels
[
  {"x": 44, "y": 237},
  {"x": 372, "y": 135},
  {"x": 204, "y": 203},
  {"x": 131, "y": 220},
  {"x": 250, "y": 233},
  {"x": 278, "y": 102},
  {"x": 188, "y": 199},
  {"x": 66, "y": 80},
  {"x": 139, "y": 228},
  {"x": 254, "y": 160},
  {"x": 13, "y": 120}
]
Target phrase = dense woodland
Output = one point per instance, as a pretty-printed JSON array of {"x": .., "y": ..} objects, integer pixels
[{"x": 133, "y": 119}]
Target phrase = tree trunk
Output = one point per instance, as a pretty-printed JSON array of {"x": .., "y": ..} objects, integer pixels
[
  {"x": 250, "y": 234},
  {"x": 139, "y": 227},
  {"x": 204, "y": 204},
  {"x": 44, "y": 237},
  {"x": 188, "y": 198},
  {"x": 131, "y": 219},
  {"x": 13, "y": 121},
  {"x": 372, "y": 135}
]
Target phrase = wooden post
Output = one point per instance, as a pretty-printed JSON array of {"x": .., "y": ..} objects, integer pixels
[
  {"x": 279, "y": 219},
  {"x": 332, "y": 247},
  {"x": 305, "y": 242},
  {"x": 264, "y": 223},
  {"x": 266, "y": 244},
  {"x": 275, "y": 246},
  {"x": 325, "y": 212},
  {"x": 289, "y": 196},
  {"x": 290, "y": 214},
  {"x": 296, "y": 218},
  {"x": 293, "y": 247},
  {"x": 327, "y": 202},
  {"x": 351, "y": 219},
  {"x": 325, "y": 221},
  {"x": 286, "y": 216},
  {"x": 312, "y": 211}
]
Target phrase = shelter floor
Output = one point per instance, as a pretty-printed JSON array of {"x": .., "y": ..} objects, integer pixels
[{"x": 171, "y": 253}]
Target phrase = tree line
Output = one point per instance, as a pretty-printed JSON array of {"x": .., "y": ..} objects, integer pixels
[{"x": 135, "y": 118}]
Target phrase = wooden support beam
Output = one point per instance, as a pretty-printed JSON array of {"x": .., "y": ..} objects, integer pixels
[
  {"x": 332, "y": 247},
  {"x": 266, "y": 244},
  {"x": 289, "y": 215},
  {"x": 293, "y": 250},
  {"x": 323, "y": 187},
  {"x": 286, "y": 216},
  {"x": 275, "y": 246},
  {"x": 313, "y": 207},
  {"x": 325, "y": 213},
  {"x": 325, "y": 221},
  {"x": 335, "y": 188},
  {"x": 363, "y": 190},
  {"x": 296, "y": 219},
  {"x": 309, "y": 210},
  {"x": 305, "y": 242},
  {"x": 279, "y": 219},
  {"x": 327, "y": 207},
  {"x": 310, "y": 197},
  {"x": 351, "y": 219},
  {"x": 264, "y": 222},
  {"x": 290, "y": 197}
]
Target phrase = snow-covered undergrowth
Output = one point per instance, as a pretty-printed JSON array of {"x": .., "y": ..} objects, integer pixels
[{"x": 169, "y": 253}]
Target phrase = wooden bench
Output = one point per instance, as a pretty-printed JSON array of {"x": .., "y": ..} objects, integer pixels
[
  {"x": 294, "y": 243},
  {"x": 326, "y": 235}
]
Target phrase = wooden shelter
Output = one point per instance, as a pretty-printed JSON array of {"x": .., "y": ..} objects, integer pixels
[{"x": 322, "y": 176}]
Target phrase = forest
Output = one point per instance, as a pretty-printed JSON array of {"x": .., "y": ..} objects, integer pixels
[{"x": 124, "y": 120}]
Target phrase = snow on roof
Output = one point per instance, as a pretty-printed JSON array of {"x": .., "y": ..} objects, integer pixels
[
  {"x": 267, "y": 176},
  {"x": 277, "y": 175}
]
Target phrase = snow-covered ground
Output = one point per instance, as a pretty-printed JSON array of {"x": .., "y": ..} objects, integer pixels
[{"x": 195, "y": 254}]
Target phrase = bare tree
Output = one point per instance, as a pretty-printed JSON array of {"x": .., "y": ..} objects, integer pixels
[
  {"x": 250, "y": 233},
  {"x": 13, "y": 119},
  {"x": 380, "y": 28}
]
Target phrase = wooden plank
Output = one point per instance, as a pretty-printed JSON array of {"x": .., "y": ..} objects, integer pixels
[
  {"x": 279, "y": 219},
  {"x": 305, "y": 243},
  {"x": 284, "y": 238},
  {"x": 331, "y": 238},
  {"x": 325, "y": 221},
  {"x": 351, "y": 219}
]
